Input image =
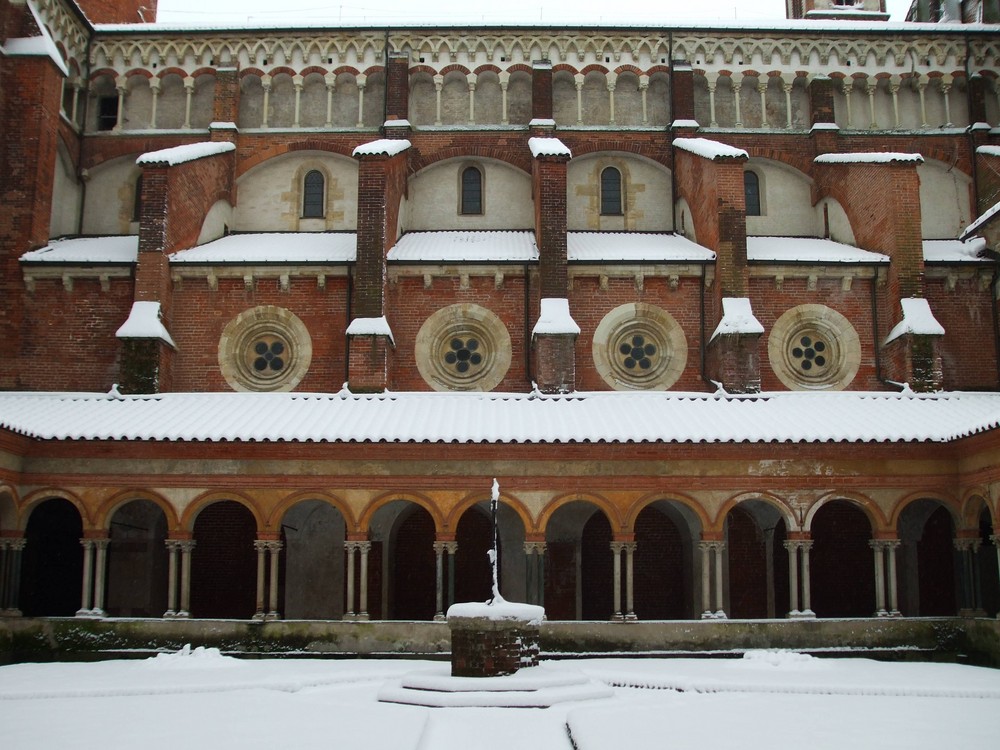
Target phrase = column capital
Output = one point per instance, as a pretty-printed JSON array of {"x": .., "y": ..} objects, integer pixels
[
  {"x": 101, "y": 543},
  {"x": 16, "y": 543},
  {"x": 186, "y": 545},
  {"x": 995, "y": 538},
  {"x": 617, "y": 547},
  {"x": 364, "y": 546},
  {"x": 274, "y": 545},
  {"x": 260, "y": 545},
  {"x": 963, "y": 544},
  {"x": 534, "y": 548},
  {"x": 89, "y": 543}
]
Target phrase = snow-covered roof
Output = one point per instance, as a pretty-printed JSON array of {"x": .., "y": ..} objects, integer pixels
[
  {"x": 118, "y": 249},
  {"x": 955, "y": 251},
  {"x": 35, "y": 46},
  {"x": 989, "y": 150},
  {"x": 807, "y": 250},
  {"x": 278, "y": 247},
  {"x": 548, "y": 147},
  {"x": 634, "y": 247},
  {"x": 383, "y": 146},
  {"x": 870, "y": 157},
  {"x": 465, "y": 247},
  {"x": 710, "y": 149},
  {"x": 186, "y": 153},
  {"x": 737, "y": 318},
  {"x": 370, "y": 327},
  {"x": 981, "y": 220},
  {"x": 144, "y": 322},
  {"x": 554, "y": 318},
  {"x": 616, "y": 417},
  {"x": 917, "y": 319}
]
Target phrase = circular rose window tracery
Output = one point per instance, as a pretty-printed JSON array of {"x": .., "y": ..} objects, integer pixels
[
  {"x": 639, "y": 347},
  {"x": 266, "y": 348},
  {"x": 814, "y": 347},
  {"x": 463, "y": 347}
]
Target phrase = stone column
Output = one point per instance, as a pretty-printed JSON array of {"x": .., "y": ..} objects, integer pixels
[
  {"x": 712, "y": 80},
  {"x": 971, "y": 598},
  {"x": 471, "y": 80},
  {"x": 737, "y": 86},
  {"x": 891, "y": 547},
  {"x": 154, "y": 91},
  {"x": 438, "y": 85},
  {"x": 265, "y": 83},
  {"x": 361, "y": 80},
  {"x": 349, "y": 548},
  {"x": 451, "y": 548},
  {"x": 121, "y": 86},
  {"x": 261, "y": 547},
  {"x": 946, "y": 83},
  {"x": 922, "y": 91},
  {"x": 297, "y": 82},
  {"x": 629, "y": 579},
  {"x": 787, "y": 88},
  {"x": 187, "y": 547},
  {"x": 364, "y": 548},
  {"x": 10, "y": 576},
  {"x": 894, "y": 83},
  {"x": 870, "y": 89},
  {"x": 806, "y": 545},
  {"x": 173, "y": 546},
  {"x": 188, "y": 93},
  {"x": 706, "y": 579},
  {"x": 718, "y": 548},
  {"x": 78, "y": 89},
  {"x": 439, "y": 578},
  {"x": 331, "y": 85},
  {"x": 799, "y": 578},
  {"x": 535, "y": 583},
  {"x": 612, "y": 83},
  {"x": 504, "y": 84},
  {"x": 578, "y": 81},
  {"x": 793, "y": 578},
  {"x": 878, "y": 548},
  {"x": 762, "y": 90},
  {"x": 101, "y": 549},
  {"x": 643, "y": 91},
  {"x": 274, "y": 550},
  {"x": 88, "y": 577},
  {"x": 616, "y": 581}
]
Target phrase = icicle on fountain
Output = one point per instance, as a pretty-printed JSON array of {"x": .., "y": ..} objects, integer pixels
[{"x": 495, "y": 637}]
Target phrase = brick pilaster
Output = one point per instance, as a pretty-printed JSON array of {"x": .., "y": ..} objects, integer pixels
[
  {"x": 226, "y": 104},
  {"x": 681, "y": 91},
  {"x": 397, "y": 99},
  {"x": 549, "y": 178},
  {"x": 541, "y": 90},
  {"x": 821, "y": 100}
]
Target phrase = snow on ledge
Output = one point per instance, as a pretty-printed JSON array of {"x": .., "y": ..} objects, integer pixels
[
  {"x": 548, "y": 147},
  {"x": 555, "y": 318},
  {"x": 35, "y": 46},
  {"x": 710, "y": 149},
  {"x": 498, "y": 610},
  {"x": 113, "y": 249},
  {"x": 917, "y": 319},
  {"x": 383, "y": 147},
  {"x": 542, "y": 122},
  {"x": 824, "y": 126},
  {"x": 396, "y": 124},
  {"x": 370, "y": 327},
  {"x": 868, "y": 157},
  {"x": 955, "y": 251},
  {"x": 737, "y": 319},
  {"x": 979, "y": 222},
  {"x": 144, "y": 323},
  {"x": 189, "y": 152},
  {"x": 685, "y": 124},
  {"x": 223, "y": 126},
  {"x": 989, "y": 150}
]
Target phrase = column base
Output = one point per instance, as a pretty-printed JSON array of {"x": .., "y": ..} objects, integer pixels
[
  {"x": 11, "y": 612},
  {"x": 258, "y": 617},
  {"x": 348, "y": 617},
  {"x": 630, "y": 617},
  {"x": 617, "y": 617},
  {"x": 183, "y": 614},
  {"x": 439, "y": 617},
  {"x": 718, "y": 615},
  {"x": 272, "y": 616},
  {"x": 90, "y": 614},
  {"x": 362, "y": 616},
  {"x": 970, "y": 612},
  {"x": 881, "y": 613},
  {"x": 803, "y": 614},
  {"x": 169, "y": 614}
]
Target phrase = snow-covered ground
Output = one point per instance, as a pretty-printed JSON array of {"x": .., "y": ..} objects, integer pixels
[{"x": 770, "y": 699}]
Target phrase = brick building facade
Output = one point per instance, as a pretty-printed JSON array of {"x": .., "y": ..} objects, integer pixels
[{"x": 278, "y": 305}]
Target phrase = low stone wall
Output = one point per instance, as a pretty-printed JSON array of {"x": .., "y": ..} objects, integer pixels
[{"x": 974, "y": 641}]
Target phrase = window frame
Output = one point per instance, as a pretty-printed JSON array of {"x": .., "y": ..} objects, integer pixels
[
  {"x": 465, "y": 197},
  {"x": 137, "y": 199},
  {"x": 310, "y": 202},
  {"x": 612, "y": 201},
  {"x": 754, "y": 176}
]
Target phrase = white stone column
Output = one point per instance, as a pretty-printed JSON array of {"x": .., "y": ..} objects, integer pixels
[
  {"x": 173, "y": 546},
  {"x": 274, "y": 550},
  {"x": 922, "y": 90},
  {"x": 504, "y": 83},
  {"x": 439, "y": 578},
  {"x": 737, "y": 87},
  {"x": 718, "y": 548},
  {"x": 892, "y": 546},
  {"x": 121, "y": 86},
  {"x": 616, "y": 581},
  {"x": 578, "y": 81},
  {"x": 706, "y": 580},
  {"x": 806, "y": 545},
  {"x": 712, "y": 80},
  {"x": 643, "y": 90},
  {"x": 100, "y": 566},
  {"x": 87, "y": 583},
  {"x": 331, "y": 85},
  {"x": 535, "y": 583},
  {"x": 878, "y": 548},
  {"x": 894, "y": 84},
  {"x": 793, "y": 578},
  {"x": 10, "y": 583},
  {"x": 349, "y": 613},
  {"x": 265, "y": 83},
  {"x": 787, "y": 88},
  {"x": 154, "y": 90},
  {"x": 629, "y": 579},
  {"x": 364, "y": 548},
  {"x": 438, "y": 86},
  {"x": 188, "y": 93},
  {"x": 847, "y": 89},
  {"x": 261, "y": 547},
  {"x": 946, "y": 83},
  {"x": 964, "y": 547},
  {"x": 187, "y": 547},
  {"x": 762, "y": 90},
  {"x": 451, "y": 548},
  {"x": 612, "y": 83},
  {"x": 77, "y": 90},
  {"x": 361, "y": 80},
  {"x": 471, "y": 79},
  {"x": 297, "y": 82},
  {"x": 871, "y": 89}
]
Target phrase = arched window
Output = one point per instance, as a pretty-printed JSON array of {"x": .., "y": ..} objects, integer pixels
[
  {"x": 137, "y": 200},
  {"x": 472, "y": 191},
  {"x": 751, "y": 188},
  {"x": 313, "y": 199},
  {"x": 611, "y": 192}
]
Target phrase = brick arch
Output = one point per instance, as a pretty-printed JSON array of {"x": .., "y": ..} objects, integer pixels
[
  {"x": 36, "y": 498},
  {"x": 949, "y": 503},
  {"x": 110, "y": 506},
  {"x": 632, "y": 147},
  {"x": 771, "y": 499},
  {"x": 411, "y": 497},
  {"x": 345, "y": 69},
  {"x": 174, "y": 71},
  {"x": 564, "y": 68},
  {"x": 251, "y": 72},
  {"x": 290, "y": 501},
  {"x": 422, "y": 69},
  {"x": 280, "y": 149},
  {"x": 102, "y": 73},
  {"x": 488, "y": 68},
  {"x": 681, "y": 499},
  {"x": 313, "y": 69},
  {"x": 520, "y": 68},
  {"x": 204, "y": 71},
  {"x": 140, "y": 72},
  {"x": 520, "y": 159},
  {"x": 594, "y": 67},
  {"x": 374, "y": 69},
  {"x": 658, "y": 69},
  {"x": 876, "y": 518},
  {"x": 951, "y": 159},
  {"x": 801, "y": 163},
  {"x": 751, "y": 73},
  {"x": 601, "y": 503},
  {"x": 454, "y": 68},
  {"x": 8, "y": 508},
  {"x": 628, "y": 69},
  {"x": 469, "y": 501},
  {"x": 216, "y": 496},
  {"x": 972, "y": 505}
]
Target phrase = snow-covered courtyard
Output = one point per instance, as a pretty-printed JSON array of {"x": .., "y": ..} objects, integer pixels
[{"x": 198, "y": 698}]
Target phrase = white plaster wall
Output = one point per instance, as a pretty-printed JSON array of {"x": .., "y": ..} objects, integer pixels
[
  {"x": 840, "y": 225},
  {"x": 66, "y": 195},
  {"x": 786, "y": 202},
  {"x": 628, "y": 100},
  {"x": 685, "y": 225},
  {"x": 646, "y": 194},
  {"x": 219, "y": 217},
  {"x": 312, "y": 102},
  {"x": 422, "y": 102},
  {"x": 270, "y": 195},
  {"x": 489, "y": 103},
  {"x": 519, "y": 99},
  {"x": 434, "y": 197},
  {"x": 172, "y": 102},
  {"x": 945, "y": 204},
  {"x": 138, "y": 104},
  {"x": 110, "y": 193},
  {"x": 202, "y": 101},
  {"x": 251, "y": 102}
]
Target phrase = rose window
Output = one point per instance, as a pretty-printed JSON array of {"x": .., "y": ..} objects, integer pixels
[
  {"x": 463, "y": 354},
  {"x": 637, "y": 352},
  {"x": 808, "y": 353}
]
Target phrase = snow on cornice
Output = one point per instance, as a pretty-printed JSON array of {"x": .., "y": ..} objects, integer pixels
[
  {"x": 82, "y": 250},
  {"x": 548, "y": 147},
  {"x": 35, "y": 46},
  {"x": 981, "y": 220},
  {"x": 737, "y": 318},
  {"x": 188, "y": 152},
  {"x": 273, "y": 247},
  {"x": 144, "y": 322},
  {"x": 370, "y": 327},
  {"x": 554, "y": 318},
  {"x": 807, "y": 250},
  {"x": 869, "y": 157},
  {"x": 465, "y": 247},
  {"x": 955, "y": 251},
  {"x": 431, "y": 417},
  {"x": 383, "y": 147},
  {"x": 917, "y": 319},
  {"x": 709, "y": 149}
]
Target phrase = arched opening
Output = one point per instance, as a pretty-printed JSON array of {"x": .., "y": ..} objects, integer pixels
[
  {"x": 137, "y": 561},
  {"x": 611, "y": 192},
  {"x": 411, "y": 561},
  {"x": 987, "y": 560},
  {"x": 224, "y": 562},
  {"x": 313, "y": 195},
  {"x": 758, "y": 562},
  {"x": 661, "y": 581},
  {"x": 842, "y": 565},
  {"x": 578, "y": 563},
  {"x": 751, "y": 191},
  {"x": 927, "y": 573},
  {"x": 472, "y": 191},
  {"x": 137, "y": 200},
  {"x": 52, "y": 562},
  {"x": 313, "y": 562},
  {"x": 473, "y": 573}
]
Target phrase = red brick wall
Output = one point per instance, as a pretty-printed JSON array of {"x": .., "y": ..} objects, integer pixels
[
  {"x": 968, "y": 348},
  {"x": 397, "y": 88},
  {"x": 119, "y": 11},
  {"x": 226, "y": 105},
  {"x": 549, "y": 180}
]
